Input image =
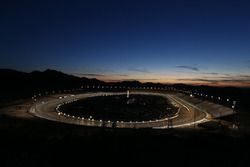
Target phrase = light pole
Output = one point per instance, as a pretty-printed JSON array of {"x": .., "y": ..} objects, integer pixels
[
  {"x": 194, "y": 119},
  {"x": 238, "y": 114},
  {"x": 59, "y": 116}
]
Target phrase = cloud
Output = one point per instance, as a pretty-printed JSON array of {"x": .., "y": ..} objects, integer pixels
[
  {"x": 148, "y": 79},
  {"x": 89, "y": 74},
  {"x": 139, "y": 70},
  {"x": 211, "y": 73},
  {"x": 193, "y": 68},
  {"x": 244, "y": 76},
  {"x": 123, "y": 75},
  {"x": 131, "y": 79},
  {"x": 199, "y": 80},
  {"x": 98, "y": 75},
  {"x": 216, "y": 74},
  {"x": 238, "y": 79}
]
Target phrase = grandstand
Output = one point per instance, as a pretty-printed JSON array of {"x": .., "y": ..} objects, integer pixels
[{"x": 215, "y": 110}]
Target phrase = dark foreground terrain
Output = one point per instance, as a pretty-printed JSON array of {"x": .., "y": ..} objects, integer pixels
[
  {"x": 35, "y": 142},
  {"x": 44, "y": 143}
]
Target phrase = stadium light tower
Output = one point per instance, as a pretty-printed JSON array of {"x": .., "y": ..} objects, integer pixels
[
  {"x": 237, "y": 120},
  {"x": 194, "y": 119}
]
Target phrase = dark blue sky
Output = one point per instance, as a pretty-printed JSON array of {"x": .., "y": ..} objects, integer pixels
[{"x": 185, "y": 41}]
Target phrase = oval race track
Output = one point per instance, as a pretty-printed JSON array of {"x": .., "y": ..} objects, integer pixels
[{"x": 187, "y": 115}]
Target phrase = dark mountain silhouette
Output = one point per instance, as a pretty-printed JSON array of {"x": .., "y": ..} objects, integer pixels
[
  {"x": 20, "y": 84},
  {"x": 11, "y": 79},
  {"x": 47, "y": 79}
]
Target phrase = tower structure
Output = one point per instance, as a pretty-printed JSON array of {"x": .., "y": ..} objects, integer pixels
[{"x": 127, "y": 94}]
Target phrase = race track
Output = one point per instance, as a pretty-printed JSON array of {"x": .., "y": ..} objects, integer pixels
[{"x": 187, "y": 115}]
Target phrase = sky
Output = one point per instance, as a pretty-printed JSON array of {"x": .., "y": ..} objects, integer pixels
[{"x": 182, "y": 41}]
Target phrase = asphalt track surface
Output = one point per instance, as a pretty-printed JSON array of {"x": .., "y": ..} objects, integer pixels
[{"x": 188, "y": 115}]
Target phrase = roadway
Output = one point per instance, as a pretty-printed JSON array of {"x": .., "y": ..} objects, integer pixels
[{"x": 187, "y": 115}]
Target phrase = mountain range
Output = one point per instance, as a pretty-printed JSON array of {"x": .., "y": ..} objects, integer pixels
[{"x": 21, "y": 84}]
